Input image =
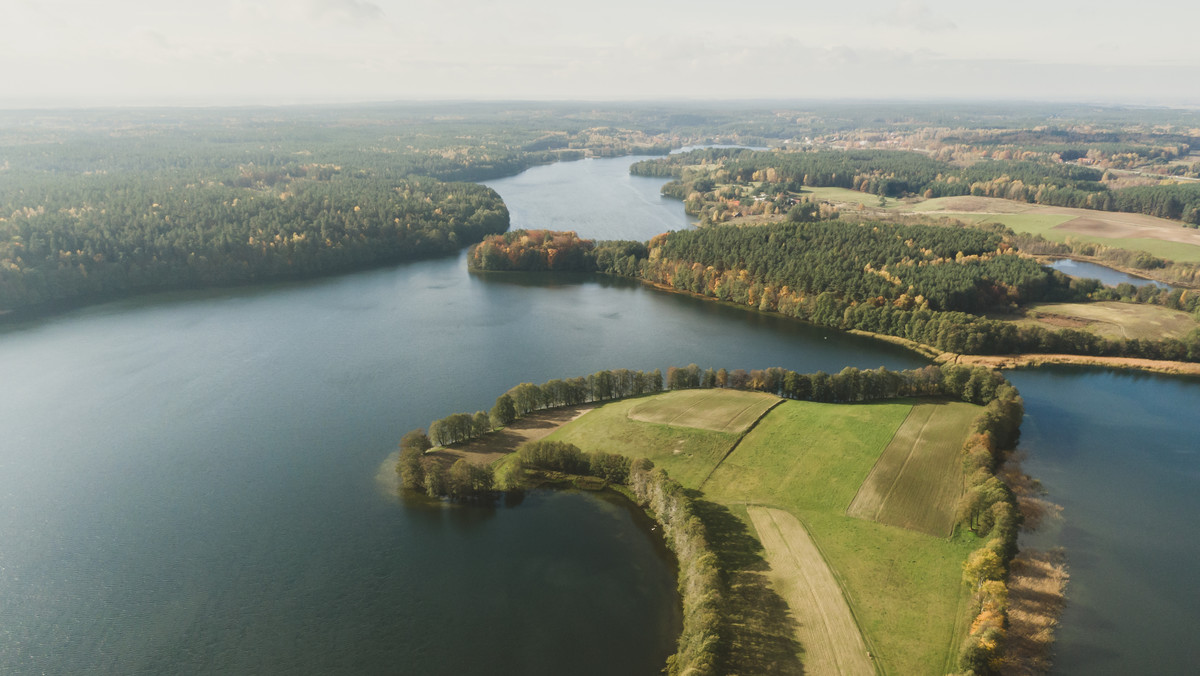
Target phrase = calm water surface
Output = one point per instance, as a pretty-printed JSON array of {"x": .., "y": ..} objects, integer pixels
[
  {"x": 188, "y": 483},
  {"x": 1106, "y": 275},
  {"x": 1121, "y": 453}
]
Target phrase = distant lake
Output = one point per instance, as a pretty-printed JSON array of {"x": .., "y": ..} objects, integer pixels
[{"x": 1106, "y": 275}]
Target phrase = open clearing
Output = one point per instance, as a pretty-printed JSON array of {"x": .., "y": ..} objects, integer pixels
[
  {"x": 495, "y": 445},
  {"x": 716, "y": 410},
  {"x": 1112, "y": 319},
  {"x": 918, "y": 479},
  {"x": 832, "y": 642}
]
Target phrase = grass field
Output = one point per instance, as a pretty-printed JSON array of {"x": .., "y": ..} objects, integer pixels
[
  {"x": 1112, "y": 319},
  {"x": 918, "y": 479},
  {"x": 715, "y": 410},
  {"x": 832, "y": 641},
  {"x": 1138, "y": 232},
  {"x": 687, "y": 453},
  {"x": 847, "y": 196},
  {"x": 808, "y": 460},
  {"x": 903, "y": 586}
]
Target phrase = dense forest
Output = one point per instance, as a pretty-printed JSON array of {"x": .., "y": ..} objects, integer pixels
[
  {"x": 838, "y": 283},
  {"x": 101, "y": 204},
  {"x": 894, "y": 173},
  {"x": 105, "y": 204},
  {"x": 97, "y": 238}
]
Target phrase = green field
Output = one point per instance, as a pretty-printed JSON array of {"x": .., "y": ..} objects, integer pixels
[
  {"x": 1033, "y": 219},
  {"x": 688, "y": 454},
  {"x": 1112, "y": 319},
  {"x": 716, "y": 410},
  {"x": 847, "y": 196},
  {"x": 809, "y": 460},
  {"x": 917, "y": 481}
]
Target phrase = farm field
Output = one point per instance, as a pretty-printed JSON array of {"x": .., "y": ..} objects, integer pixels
[
  {"x": 808, "y": 460},
  {"x": 715, "y": 410},
  {"x": 918, "y": 479},
  {"x": 688, "y": 454},
  {"x": 1112, "y": 319},
  {"x": 903, "y": 586},
  {"x": 832, "y": 641},
  {"x": 1139, "y": 232}
]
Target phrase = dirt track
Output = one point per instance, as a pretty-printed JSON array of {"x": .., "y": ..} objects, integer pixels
[{"x": 826, "y": 628}]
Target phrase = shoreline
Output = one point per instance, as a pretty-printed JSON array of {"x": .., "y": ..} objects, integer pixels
[
  {"x": 1096, "y": 260},
  {"x": 999, "y": 362}
]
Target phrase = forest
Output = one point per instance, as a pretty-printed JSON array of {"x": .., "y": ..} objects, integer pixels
[
  {"x": 100, "y": 238},
  {"x": 107, "y": 204}
]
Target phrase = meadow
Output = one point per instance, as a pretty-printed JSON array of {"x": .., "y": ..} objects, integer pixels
[
  {"x": 1112, "y": 319},
  {"x": 917, "y": 481},
  {"x": 807, "y": 461}
]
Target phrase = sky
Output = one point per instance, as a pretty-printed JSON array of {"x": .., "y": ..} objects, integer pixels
[{"x": 273, "y": 52}]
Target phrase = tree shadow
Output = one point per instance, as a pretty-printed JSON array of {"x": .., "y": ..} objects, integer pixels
[{"x": 758, "y": 632}]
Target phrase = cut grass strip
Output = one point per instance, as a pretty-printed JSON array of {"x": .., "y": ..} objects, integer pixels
[
  {"x": 917, "y": 481},
  {"x": 833, "y": 644},
  {"x": 717, "y": 410}
]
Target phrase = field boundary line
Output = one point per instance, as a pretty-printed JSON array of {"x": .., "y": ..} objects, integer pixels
[
  {"x": 842, "y": 662},
  {"x": 733, "y": 447},
  {"x": 875, "y": 466},
  {"x": 907, "y": 459}
]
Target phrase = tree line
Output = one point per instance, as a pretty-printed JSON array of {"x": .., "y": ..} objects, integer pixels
[
  {"x": 989, "y": 509},
  {"x": 896, "y": 173},
  {"x": 142, "y": 234},
  {"x": 920, "y": 283}
]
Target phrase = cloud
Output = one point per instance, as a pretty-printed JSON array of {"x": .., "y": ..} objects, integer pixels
[
  {"x": 346, "y": 10},
  {"x": 917, "y": 15}
]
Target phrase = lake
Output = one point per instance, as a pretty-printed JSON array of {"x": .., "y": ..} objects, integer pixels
[
  {"x": 188, "y": 481},
  {"x": 1106, "y": 275}
]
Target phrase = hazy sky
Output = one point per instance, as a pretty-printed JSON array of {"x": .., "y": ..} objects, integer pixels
[{"x": 217, "y": 52}]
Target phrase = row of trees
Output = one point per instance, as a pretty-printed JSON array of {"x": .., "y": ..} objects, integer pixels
[
  {"x": 699, "y": 582},
  {"x": 526, "y": 398},
  {"x": 973, "y": 384},
  {"x": 988, "y": 507},
  {"x": 560, "y": 456}
]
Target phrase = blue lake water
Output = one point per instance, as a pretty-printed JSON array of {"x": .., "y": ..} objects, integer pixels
[{"x": 1106, "y": 275}]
